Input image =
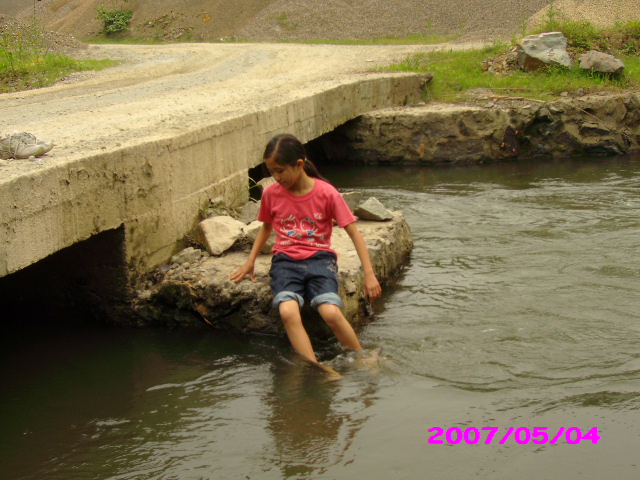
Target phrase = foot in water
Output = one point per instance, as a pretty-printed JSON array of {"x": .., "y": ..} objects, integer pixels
[
  {"x": 329, "y": 372},
  {"x": 366, "y": 359}
]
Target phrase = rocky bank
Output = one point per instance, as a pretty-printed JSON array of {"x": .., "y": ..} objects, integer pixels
[
  {"x": 490, "y": 128},
  {"x": 194, "y": 290}
]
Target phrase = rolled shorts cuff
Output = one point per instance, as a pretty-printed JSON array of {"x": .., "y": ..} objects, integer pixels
[
  {"x": 331, "y": 298},
  {"x": 284, "y": 296}
]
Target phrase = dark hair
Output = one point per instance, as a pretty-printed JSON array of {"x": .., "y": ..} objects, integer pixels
[{"x": 285, "y": 149}]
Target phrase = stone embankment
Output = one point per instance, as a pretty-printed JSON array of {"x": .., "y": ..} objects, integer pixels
[
  {"x": 492, "y": 128},
  {"x": 194, "y": 289}
]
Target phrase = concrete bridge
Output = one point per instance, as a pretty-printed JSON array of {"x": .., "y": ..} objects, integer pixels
[{"x": 143, "y": 146}]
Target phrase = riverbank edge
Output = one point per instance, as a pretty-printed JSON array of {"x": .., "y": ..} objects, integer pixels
[
  {"x": 491, "y": 128},
  {"x": 199, "y": 294}
]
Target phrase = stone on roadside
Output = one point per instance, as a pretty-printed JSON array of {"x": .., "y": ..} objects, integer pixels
[
  {"x": 218, "y": 234},
  {"x": 536, "y": 51},
  {"x": 372, "y": 209},
  {"x": 251, "y": 232},
  {"x": 601, "y": 62}
]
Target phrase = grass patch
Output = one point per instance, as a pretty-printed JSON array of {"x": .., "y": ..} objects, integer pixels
[
  {"x": 26, "y": 63},
  {"x": 455, "y": 73}
]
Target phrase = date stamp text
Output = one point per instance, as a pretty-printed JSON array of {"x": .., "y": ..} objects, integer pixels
[{"x": 520, "y": 435}]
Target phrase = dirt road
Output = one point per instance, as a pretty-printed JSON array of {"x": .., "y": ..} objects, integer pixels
[{"x": 166, "y": 90}]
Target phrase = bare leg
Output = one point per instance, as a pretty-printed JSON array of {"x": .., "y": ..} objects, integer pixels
[
  {"x": 290, "y": 314},
  {"x": 339, "y": 325}
]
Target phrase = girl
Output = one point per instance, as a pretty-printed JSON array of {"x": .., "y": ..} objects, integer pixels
[{"x": 301, "y": 207}]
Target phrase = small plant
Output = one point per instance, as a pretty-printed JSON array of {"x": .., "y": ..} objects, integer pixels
[
  {"x": 115, "y": 21},
  {"x": 631, "y": 28},
  {"x": 285, "y": 23},
  {"x": 551, "y": 23}
]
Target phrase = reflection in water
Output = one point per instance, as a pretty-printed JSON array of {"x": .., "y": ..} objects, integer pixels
[
  {"x": 303, "y": 426},
  {"x": 517, "y": 308}
]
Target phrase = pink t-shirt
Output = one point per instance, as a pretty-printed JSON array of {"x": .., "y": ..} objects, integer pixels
[{"x": 304, "y": 223}]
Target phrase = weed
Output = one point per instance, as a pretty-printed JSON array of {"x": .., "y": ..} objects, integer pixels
[
  {"x": 285, "y": 23},
  {"x": 115, "y": 21}
]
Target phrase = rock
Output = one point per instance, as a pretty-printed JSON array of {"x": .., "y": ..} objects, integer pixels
[
  {"x": 372, "y": 209},
  {"x": 537, "y": 51},
  {"x": 601, "y": 62},
  {"x": 353, "y": 199},
  {"x": 251, "y": 232},
  {"x": 188, "y": 255},
  {"x": 218, "y": 234},
  {"x": 217, "y": 201},
  {"x": 208, "y": 298},
  {"x": 249, "y": 212}
]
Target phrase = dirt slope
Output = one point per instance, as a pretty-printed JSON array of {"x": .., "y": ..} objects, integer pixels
[{"x": 270, "y": 20}]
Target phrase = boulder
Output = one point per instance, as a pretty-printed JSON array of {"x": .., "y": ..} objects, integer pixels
[
  {"x": 548, "y": 48},
  {"x": 218, "y": 234},
  {"x": 373, "y": 210},
  {"x": 601, "y": 62},
  {"x": 201, "y": 294}
]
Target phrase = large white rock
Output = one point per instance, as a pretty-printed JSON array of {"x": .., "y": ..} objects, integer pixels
[
  {"x": 550, "y": 48},
  {"x": 218, "y": 234},
  {"x": 372, "y": 209}
]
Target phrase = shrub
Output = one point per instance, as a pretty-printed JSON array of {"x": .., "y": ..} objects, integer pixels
[{"x": 116, "y": 21}]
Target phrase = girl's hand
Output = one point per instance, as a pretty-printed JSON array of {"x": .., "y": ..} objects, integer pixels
[
  {"x": 372, "y": 289},
  {"x": 246, "y": 269}
]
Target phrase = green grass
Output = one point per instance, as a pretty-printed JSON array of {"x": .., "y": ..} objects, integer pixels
[
  {"x": 457, "y": 72},
  {"x": 25, "y": 63},
  {"x": 23, "y": 72}
]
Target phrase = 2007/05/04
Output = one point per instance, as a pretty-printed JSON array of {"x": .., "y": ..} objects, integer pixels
[{"x": 521, "y": 435}]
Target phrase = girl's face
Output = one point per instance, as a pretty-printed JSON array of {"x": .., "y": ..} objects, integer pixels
[{"x": 285, "y": 175}]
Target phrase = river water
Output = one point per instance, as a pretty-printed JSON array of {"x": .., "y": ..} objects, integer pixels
[{"x": 518, "y": 309}]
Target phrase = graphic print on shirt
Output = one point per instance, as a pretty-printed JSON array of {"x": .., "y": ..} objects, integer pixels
[{"x": 305, "y": 230}]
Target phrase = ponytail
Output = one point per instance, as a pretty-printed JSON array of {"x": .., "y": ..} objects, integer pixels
[
  {"x": 311, "y": 169},
  {"x": 285, "y": 149}
]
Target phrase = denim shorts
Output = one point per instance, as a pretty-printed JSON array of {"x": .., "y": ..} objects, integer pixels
[{"x": 316, "y": 277}]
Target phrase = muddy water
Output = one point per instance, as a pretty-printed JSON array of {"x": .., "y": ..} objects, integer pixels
[{"x": 518, "y": 309}]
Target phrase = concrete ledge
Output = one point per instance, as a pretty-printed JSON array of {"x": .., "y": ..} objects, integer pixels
[
  {"x": 201, "y": 295},
  {"x": 156, "y": 189}
]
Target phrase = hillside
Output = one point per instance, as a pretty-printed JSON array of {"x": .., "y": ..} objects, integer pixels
[{"x": 272, "y": 20}]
